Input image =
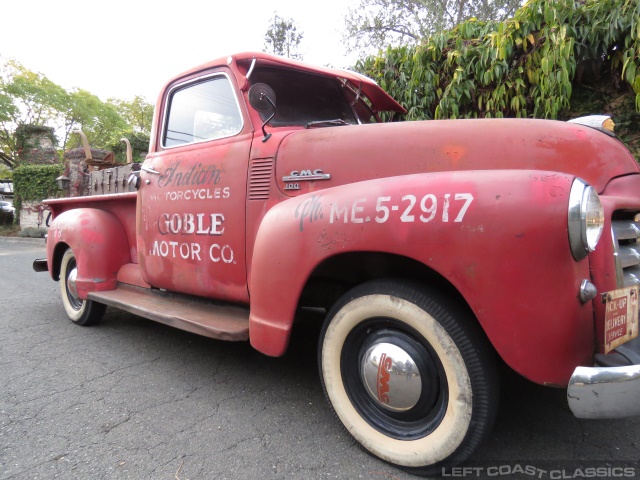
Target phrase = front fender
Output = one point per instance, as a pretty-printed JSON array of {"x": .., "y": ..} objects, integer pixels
[
  {"x": 99, "y": 242},
  {"x": 499, "y": 237}
]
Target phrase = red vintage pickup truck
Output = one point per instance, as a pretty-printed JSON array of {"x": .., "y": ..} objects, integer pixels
[{"x": 434, "y": 249}]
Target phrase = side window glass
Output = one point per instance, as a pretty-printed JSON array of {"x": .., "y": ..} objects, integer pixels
[{"x": 202, "y": 111}]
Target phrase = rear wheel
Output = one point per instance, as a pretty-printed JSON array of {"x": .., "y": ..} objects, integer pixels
[
  {"x": 410, "y": 376},
  {"x": 82, "y": 312}
]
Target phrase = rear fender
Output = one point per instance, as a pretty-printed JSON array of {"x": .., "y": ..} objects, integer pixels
[
  {"x": 499, "y": 237},
  {"x": 98, "y": 240}
]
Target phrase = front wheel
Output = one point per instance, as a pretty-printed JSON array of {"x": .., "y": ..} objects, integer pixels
[
  {"x": 82, "y": 312},
  {"x": 410, "y": 376}
]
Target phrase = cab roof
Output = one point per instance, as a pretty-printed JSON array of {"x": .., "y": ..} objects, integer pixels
[{"x": 241, "y": 64}]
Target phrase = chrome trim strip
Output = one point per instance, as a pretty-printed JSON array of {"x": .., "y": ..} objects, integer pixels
[
  {"x": 253, "y": 65},
  {"x": 625, "y": 229},
  {"x": 593, "y": 121},
  {"x": 149, "y": 170},
  {"x": 616, "y": 258},
  {"x": 574, "y": 224},
  {"x": 631, "y": 277},
  {"x": 625, "y": 235},
  {"x": 630, "y": 256},
  {"x": 307, "y": 178},
  {"x": 604, "y": 392}
]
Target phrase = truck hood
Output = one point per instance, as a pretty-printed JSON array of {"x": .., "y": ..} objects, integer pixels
[{"x": 315, "y": 159}]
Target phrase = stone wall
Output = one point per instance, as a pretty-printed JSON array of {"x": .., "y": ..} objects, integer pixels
[
  {"x": 33, "y": 214},
  {"x": 36, "y": 145}
]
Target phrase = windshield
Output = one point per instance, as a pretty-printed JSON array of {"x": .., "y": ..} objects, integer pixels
[{"x": 304, "y": 98}]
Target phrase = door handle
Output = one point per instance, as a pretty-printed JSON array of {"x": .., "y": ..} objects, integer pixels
[{"x": 150, "y": 170}]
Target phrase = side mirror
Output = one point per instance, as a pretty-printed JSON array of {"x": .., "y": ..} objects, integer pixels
[{"x": 263, "y": 99}]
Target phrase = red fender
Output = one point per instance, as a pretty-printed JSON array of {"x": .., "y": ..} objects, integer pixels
[
  {"x": 499, "y": 237},
  {"x": 99, "y": 242}
]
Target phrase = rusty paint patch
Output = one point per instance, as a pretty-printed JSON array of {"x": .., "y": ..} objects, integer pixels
[
  {"x": 470, "y": 271},
  {"x": 557, "y": 191},
  {"x": 455, "y": 153},
  {"x": 330, "y": 241}
]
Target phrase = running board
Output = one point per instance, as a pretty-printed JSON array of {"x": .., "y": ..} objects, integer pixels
[{"x": 202, "y": 317}]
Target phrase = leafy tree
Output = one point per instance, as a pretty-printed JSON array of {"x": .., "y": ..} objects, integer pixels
[
  {"x": 376, "y": 24},
  {"x": 30, "y": 98},
  {"x": 138, "y": 113},
  {"x": 25, "y": 98},
  {"x": 5, "y": 172},
  {"x": 282, "y": 38},
  {"x": 99, "y": 121},
  {"x": 537, "y": 64}
]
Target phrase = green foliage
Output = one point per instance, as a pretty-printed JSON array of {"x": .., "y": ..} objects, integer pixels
[
  {"x": 7, "y": 108},
  {"x": 99, "y": 121},
  {"x": 380, "y": 23},
  {"x": 137, "y": 113},
  {"x": 527, "y": 66},
  {"x": 5, "y": 172},
  {"x": 282, "y": 38},
  {"x": 35, "y": 182},
  {"x": 25, "y": 98},
  {"x": 139, "y": 147},
  {"x": 39, "y": 98},
  {"x": 138, "y": 116},
  {"x": 30, "y": 98},
  {"x": 24, "y": 133}
]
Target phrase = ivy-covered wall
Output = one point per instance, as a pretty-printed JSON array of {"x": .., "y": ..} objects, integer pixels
[
  {"x": 35, "y": 183},
  {"x": 36, "y": 144}
]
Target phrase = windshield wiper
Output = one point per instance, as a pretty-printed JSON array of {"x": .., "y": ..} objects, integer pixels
[{"x": 326, "y": 123}]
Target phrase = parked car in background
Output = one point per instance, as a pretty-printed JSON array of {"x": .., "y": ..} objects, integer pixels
[
  {"x": 7, "y": 207},
  {"x": 6, "y": 187},
  {"x": 7, "y": 212}
]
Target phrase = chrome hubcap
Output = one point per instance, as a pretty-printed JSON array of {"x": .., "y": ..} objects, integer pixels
[
  {"x": 71, "y": 284},
  {"x": 391, "y": 377}
]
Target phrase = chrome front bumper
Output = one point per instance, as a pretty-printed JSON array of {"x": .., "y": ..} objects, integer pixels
[{"x": 609, "y": 391}]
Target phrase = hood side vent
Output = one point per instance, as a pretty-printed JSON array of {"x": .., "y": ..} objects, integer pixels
[{"x": 260, "y": 174}]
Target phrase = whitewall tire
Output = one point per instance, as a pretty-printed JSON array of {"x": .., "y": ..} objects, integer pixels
[
  {"x": 82, "y": 312},
  {"x": 410, "y": 377}
]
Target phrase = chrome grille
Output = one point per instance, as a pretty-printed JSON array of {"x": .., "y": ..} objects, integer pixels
[{"x": 627, "y": 250}]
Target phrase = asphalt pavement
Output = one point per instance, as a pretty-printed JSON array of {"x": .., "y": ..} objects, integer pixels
[{"x": 132, "y": 399}]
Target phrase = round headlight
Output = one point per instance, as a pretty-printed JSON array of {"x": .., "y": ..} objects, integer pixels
[{"x": 586, "y": 219}]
